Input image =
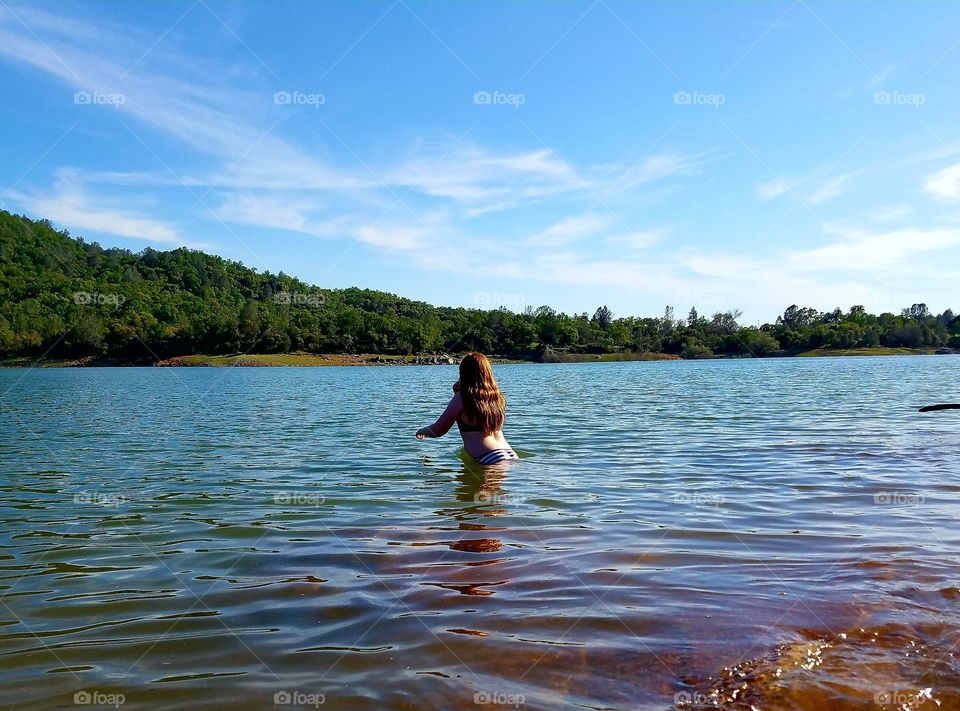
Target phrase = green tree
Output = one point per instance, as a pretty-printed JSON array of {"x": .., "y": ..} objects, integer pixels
[
  {"x": 603, "y": 317},
  {"x": 61, "y": 296}
]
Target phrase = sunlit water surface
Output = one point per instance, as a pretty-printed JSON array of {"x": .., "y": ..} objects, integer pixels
[{"x": 771, "y": 534}]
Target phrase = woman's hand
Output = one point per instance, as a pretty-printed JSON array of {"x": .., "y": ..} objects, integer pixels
[{"x": 424, "y": 432}]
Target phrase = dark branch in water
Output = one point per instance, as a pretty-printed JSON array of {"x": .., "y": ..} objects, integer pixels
[{"x": 934, "y": 408}]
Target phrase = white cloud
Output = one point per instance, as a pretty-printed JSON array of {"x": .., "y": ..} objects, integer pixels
[
  {"x": 237, "y": 127},
  {"x": 871, "y": 252},
  {"x": 394, "y": 237},
  {"x": 890, "y": 213},
  {"x": 571, "y": 229},
  {"x": 944, "y": 185},
  {"x": 280, "y": 210},
  {"x": 482, "y": 180},
  {"x": 630, "y": 275},
  {"x": 637, "y": 241},
  {"x": 655, "y": 168},
  {"x": 258, "y": 178},
  {"x": 813, "y": 186},
  {"x": 830, "y": 188},
  {"x": 772, "y": 189},
  {"x": 856, "y": 267},
  {"x": 69, "y": 207}
]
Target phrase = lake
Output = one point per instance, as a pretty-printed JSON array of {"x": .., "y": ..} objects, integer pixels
[{"x": 780, "y": 533}]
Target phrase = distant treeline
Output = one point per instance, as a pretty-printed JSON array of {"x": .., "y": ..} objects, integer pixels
[{"x": 63, "y": 297}]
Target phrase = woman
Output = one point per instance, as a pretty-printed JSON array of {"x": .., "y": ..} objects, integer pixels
[{"x": 478, "y": 407}]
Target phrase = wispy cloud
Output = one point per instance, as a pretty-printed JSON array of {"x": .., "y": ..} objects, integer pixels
[
  {"x": 944, "y": 185},
  {"x": 69, "y": 205},
  {"x": 865, "y": 251},
  {"x": 890, "y": 213},
  {"x": 814, "y": 188},
  {"x": 772, "y": 189},
  {"x": 482, "y": 180},
  {"x": 296, "y": 212},
  {"x": 571, "y": 229},
  {"x": 392, "y": 237},
  {"x": 258, "y": 178},
  {"x": 636, "y": 241},
  {"x": 442, "y": 203},
  {"x": 825, "y": 276},
  {"x": 830, "y": 188},
  {"x": 655, "y": 168}
]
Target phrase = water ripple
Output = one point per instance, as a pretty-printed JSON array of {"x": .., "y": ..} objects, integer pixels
[{"x": 780, "y": 534}]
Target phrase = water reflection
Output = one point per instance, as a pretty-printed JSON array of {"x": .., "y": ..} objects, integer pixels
[
  {"x": 482, "y": 490},
  {"x": 484, "y": 487}
]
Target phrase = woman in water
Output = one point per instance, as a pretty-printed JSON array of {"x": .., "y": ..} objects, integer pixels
[{"x": 478, "y": 407}]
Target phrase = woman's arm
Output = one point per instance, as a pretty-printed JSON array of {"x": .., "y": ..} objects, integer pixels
[{"x": 445, "y": 421}]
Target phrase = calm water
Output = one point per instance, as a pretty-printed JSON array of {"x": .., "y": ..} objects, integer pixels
[{"x": 777, "y": 534}]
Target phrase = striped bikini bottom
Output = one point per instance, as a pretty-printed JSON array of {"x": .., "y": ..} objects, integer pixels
[{"x": 497, "y": 455}]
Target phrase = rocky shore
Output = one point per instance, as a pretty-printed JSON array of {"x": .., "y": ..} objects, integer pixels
[
  {"x": 365, "y": 359},
  {"x": 308, "y": 359}
]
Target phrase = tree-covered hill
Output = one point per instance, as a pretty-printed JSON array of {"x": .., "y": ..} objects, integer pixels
[{"x": 63, "y": 297}]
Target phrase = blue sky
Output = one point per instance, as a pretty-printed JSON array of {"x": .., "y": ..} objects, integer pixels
[{"x": 722, "y": 155}]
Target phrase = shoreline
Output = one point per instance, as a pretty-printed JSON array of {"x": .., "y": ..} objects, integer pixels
[
  {"x": 247, "y": 360},
  {"x": 311, "y": 360}
]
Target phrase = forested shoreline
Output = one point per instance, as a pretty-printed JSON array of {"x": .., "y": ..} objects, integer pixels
[{"x": 62, "y": 297}]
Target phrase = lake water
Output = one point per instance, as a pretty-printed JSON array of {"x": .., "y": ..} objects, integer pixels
[{"x": 777, "y": 534}]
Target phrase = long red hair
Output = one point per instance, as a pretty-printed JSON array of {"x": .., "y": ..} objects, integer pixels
[{"x": 483, "y": 403}]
